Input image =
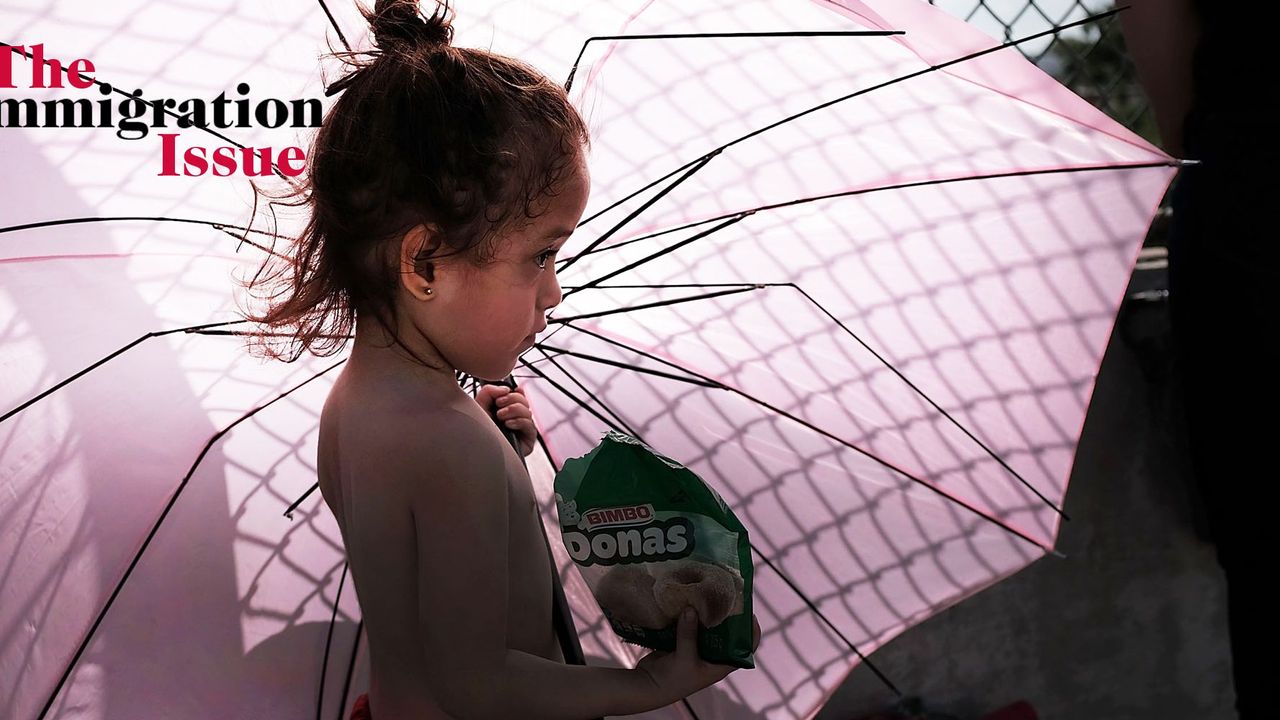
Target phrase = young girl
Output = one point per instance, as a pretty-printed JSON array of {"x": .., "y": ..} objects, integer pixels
[{"x": 442, "y": 184}]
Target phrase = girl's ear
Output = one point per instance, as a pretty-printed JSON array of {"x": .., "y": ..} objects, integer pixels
[{"x": 416, "y": 247}]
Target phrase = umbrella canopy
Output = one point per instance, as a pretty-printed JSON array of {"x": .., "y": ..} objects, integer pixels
[
  {"x": 863, "y": 284},
  {"x": 900, "y": 258}
]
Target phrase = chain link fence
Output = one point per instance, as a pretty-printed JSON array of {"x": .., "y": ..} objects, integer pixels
[{"x": 1090, "y": 59}]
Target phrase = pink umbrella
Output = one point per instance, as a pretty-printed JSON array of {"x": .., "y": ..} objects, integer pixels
[
  {"x": 860, "y": 283},
  {"x": 877, "y": 276}
]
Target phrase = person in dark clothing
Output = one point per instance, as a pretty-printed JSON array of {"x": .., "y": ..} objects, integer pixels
[{"x": 1208, "y": 80}]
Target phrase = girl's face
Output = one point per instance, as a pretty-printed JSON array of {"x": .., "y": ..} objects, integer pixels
[{"x": 481, "y": 320}]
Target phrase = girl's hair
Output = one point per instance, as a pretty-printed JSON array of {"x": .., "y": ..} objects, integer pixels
[{"x": 423, "y": 132}]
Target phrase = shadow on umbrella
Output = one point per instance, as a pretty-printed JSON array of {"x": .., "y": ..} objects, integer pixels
[{"x": 71, "y": 502}]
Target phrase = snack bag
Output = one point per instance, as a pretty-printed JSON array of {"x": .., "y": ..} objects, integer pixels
[{"x": 650, "y": 537}]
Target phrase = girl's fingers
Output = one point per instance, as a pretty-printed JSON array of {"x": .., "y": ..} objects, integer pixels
[
  {"x": 517, "y": 423},
  {"x": 512, "y": 398},
  {"x": 526, "y": 432},
  {"x": 514, "y": 412},
  {"x": 521, "y": 424},
  {"x": 490, "y": 395}
]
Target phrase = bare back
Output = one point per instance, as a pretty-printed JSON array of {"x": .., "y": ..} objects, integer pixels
[{"x": 361, "y": 416}]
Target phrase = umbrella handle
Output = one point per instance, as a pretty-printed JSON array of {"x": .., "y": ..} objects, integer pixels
[{"x": 561, "y": 619}]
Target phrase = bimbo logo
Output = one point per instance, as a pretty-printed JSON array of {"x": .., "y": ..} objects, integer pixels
[{"x": 618, "y": 516}]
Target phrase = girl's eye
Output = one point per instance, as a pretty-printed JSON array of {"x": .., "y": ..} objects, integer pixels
[{"x": 543, "y": 257}]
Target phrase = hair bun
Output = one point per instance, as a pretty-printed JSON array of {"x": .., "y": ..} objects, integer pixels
[{"x": 399, "y": 23}]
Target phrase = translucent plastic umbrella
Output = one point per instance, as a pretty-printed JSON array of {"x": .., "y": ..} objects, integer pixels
[{"x": 899, "y": 258}]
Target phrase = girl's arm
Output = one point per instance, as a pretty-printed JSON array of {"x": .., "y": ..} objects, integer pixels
[
  {"x": 556, "y": 690},
  {"x": 660, "y": 678},
  {"x": 457, "y": 484}
]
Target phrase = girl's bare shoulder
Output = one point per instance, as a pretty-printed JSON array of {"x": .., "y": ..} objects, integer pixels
[{"x": 389, "y": 429}]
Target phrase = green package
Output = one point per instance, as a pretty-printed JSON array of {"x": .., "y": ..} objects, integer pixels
[{"x": 650, "y": 537}]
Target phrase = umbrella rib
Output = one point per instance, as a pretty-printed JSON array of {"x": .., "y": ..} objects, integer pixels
[
  {"x": 571, "y": 396},
  {"x": 568, "y": 83},
  {"x": 128, "y": 218},
  {"x": 589, "y": 394},
  {"x": 46, "y": 393},
  {"x": 883, "y": 678},
  {"x": 649, "y": 236},
  {"x": 741, "y": 287},
  {"x": 885, "y": 463},
  {"x": 948, "y": 181},
  {"x": 328, "y": 639},
  {"x": 773, "y": 567},
  {"x": 541, "y": 345},
  {"x": 351, "y": 667},
  {"x": 161, "y": 107},
  {"x": 574, "y": 288},
  {"x": 173, "y": 500},
  {"x": 333, "y": 21},
  {"x": 656, "y": 303},
  {"x": 633, "y": 368},
  {"x": 884, "y": 361},
  {"x": 650, "y": 286},
  {"x": 696, "y": 166},
  {"x": 931, "y": 68},
  {"x": 615, "y": 204},
  {"x": 900, "y": 186},
  {"x": 733, "y": 220},
  {"x": 294, "y": 506}
]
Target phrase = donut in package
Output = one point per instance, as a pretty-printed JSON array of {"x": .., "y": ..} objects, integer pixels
[{"x": 650, "y": 537}]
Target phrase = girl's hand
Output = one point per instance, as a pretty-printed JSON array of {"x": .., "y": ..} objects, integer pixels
[
  {"x": 678, "y": 674},
  {"x": 513, "y": 413}
]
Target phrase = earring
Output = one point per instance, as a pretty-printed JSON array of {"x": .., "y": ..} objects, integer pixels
[{"x": 429, "y": 291}]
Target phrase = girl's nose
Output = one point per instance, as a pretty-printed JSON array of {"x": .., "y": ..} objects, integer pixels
[{"x": 551, "y": 296}]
